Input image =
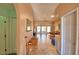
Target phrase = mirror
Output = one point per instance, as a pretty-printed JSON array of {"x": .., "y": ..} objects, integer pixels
[{"x": 28, "y": 25}]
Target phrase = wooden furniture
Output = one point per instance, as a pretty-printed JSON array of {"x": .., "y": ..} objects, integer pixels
[
  {"x": 34, "y": 41},
  {"x": 32, "y": 44}
]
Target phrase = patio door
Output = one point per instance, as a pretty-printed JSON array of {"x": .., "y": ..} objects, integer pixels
[{"x": 42, "y": 32}]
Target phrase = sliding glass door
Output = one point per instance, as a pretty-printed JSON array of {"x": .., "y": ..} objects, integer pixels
[{"x": 42, "y": 32}]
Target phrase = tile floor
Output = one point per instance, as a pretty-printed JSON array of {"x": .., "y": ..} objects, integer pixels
[{"x": 44, "y": 48}]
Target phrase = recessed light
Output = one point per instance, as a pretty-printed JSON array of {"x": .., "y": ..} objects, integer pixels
[{"x": 52, "y": 16}]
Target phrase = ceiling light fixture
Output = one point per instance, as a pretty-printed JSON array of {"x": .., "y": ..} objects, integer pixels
[{"x": 52, "y": 16}]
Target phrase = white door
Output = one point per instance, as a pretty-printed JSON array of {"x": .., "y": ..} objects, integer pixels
[
  {"x": 69, "y": 31},
  {"x": 73, "y": 22}
]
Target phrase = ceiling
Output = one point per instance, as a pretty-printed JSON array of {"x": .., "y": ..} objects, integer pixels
[{"x": 43, "y": 11}]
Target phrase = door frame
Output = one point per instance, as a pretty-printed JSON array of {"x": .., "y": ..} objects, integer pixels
[{"x": 62, "y": 41}]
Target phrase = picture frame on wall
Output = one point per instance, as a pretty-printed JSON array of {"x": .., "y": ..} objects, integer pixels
[{"x": 28, "y": 25}]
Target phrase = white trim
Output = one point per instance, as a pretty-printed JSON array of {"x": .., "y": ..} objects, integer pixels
[
  {"x": 62, "y": 49},
  {"x": 77, "y": 32},
  {"x": 70, "y": 12}
]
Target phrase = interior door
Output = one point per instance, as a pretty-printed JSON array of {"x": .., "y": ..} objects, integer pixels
[
  {"x": 73, "y": 23},
  {"x": 7, "y": 29},
  {"x": 69, "y": 32},
  {"x": 2, "y": 35},
  {"x": 11, "y": 35},
  {"x": 67, "y": 35},
  {"x": 7, "y": 35}
]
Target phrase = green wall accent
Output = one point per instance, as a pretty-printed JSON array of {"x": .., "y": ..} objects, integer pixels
[
  {"x": 8, "y": 15},
  {"x": 7, "y": 10}
]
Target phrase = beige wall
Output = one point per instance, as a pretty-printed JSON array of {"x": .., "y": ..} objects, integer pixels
[
  {"x": 64, "y": 8},
  {"x": 43, "y": 23},
  {"x": 23, "y": 11},
  {"x": 56, "y": 25}
]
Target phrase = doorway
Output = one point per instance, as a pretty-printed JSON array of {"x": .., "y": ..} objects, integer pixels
[
  {"x": 69, "y": 33},
  {"x": 43, "y": 32},
  {"x": 7, "y": 29}
]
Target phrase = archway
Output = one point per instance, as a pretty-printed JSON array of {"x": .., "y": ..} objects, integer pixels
[{"x": 8, "y": 29}]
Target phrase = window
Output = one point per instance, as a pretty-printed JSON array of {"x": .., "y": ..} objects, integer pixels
[
  {"x": 38, "y": 29},
  {"x": 43, "y": 29},
  {"x": 48, "y": 28},
  {"x": 28, "y": 28}
]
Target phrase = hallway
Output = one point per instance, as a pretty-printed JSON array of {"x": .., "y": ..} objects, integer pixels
[
  {"x": 55, "y": 29},
  {"x": 44, "y": 47},
  {"x": 41, "y": 29}
]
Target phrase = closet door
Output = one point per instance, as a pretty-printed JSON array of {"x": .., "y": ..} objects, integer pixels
[
  {"x": 11, "y": 35},
  {"x": 7, "y": 35},
  {"x": 69, "y": 33},
  {"x": 2, "y": 34},
  {"x": 66, "y": 31},
  {"x": 73, "y": 32}
]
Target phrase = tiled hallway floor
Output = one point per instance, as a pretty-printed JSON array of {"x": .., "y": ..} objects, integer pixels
[{"x": 44, "y": 48}]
